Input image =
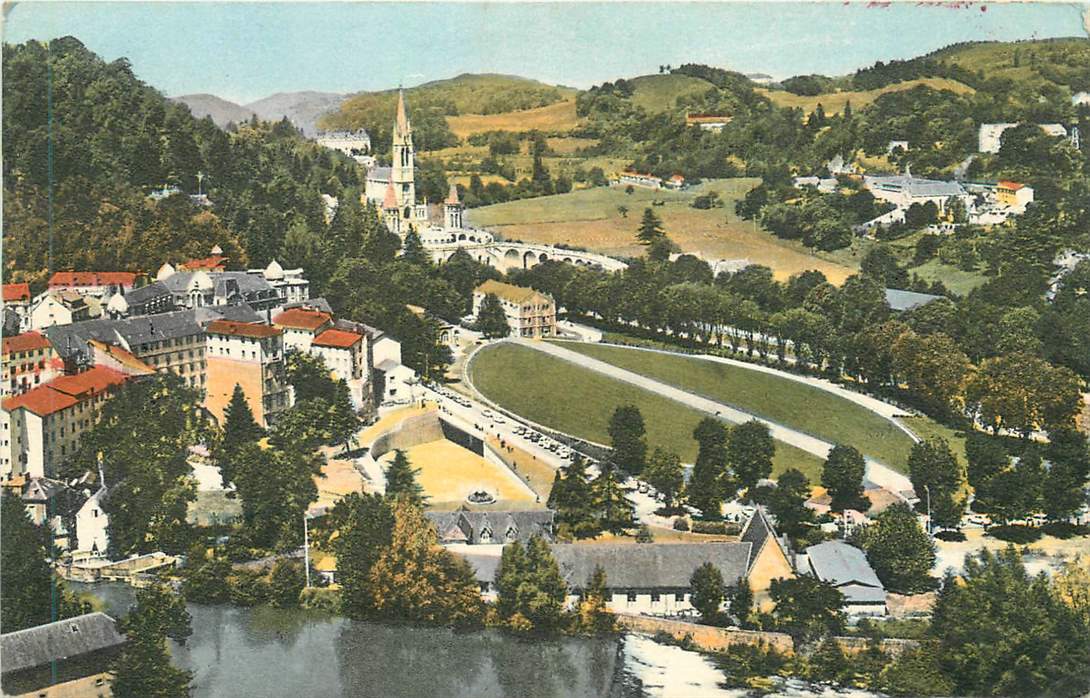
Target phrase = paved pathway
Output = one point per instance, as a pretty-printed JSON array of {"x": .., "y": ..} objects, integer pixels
[{"x": 877, "y": 473}]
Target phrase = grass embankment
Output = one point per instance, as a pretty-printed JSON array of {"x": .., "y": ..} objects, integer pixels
[
  {"x": 579, "y": 401},
  {"x": 590, "y": 218},
  {"x": 805, "y": 408}
]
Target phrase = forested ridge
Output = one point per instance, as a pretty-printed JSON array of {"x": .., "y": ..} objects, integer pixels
[{"x": 115, "y": 140}]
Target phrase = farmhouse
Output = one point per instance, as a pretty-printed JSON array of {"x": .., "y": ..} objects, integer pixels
[
  {"x": 846, "y": 568},
  {"x": 529, "y": 313},
  {"x": 60, "y": 308}
]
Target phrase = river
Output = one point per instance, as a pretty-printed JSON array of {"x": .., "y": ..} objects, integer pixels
[{"x": 271, "y": 653}]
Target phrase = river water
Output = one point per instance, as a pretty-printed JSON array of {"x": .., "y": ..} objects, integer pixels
[{"x": 265, "y": 652}]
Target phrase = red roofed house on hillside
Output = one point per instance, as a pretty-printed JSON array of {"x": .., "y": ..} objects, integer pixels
[
  {"x": 93, "y": 283},
  {"x": 45, "y": 424},
  {"x": 251, "y": 356},
  {"x": 301, "y": 326}
]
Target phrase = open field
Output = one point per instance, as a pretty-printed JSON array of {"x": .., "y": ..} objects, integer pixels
[
  {"x": 560, "y": 116},
  {"x": 833, "y": 102},
  {"x": 655, "y": 93},
  {"x": 579, "y": 401},
  {"x": 449, "y": 473},
  {"x": 590, "y": 218},
  {"x": 793, "y": 404}
]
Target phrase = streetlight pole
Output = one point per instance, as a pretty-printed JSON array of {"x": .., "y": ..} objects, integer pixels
[
  {"x": 306, "y": 548},
  {"x": 927, "y": 489}
]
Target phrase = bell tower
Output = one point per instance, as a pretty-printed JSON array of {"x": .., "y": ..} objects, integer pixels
[{"x": 401, "y": 172}]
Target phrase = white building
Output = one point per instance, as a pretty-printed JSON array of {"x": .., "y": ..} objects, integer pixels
[
  {"x": 59, "y": 308},
  {"x": 93, "y": 283},
  {"x": 301, "y": 326},
  {"x": 91, "y": 525},
  {"x": 1080, "y": 99},
  {"x": 990, "y": 135},
  {"x": 895, "y": 145},
  {"x": 905, "y": 190},
  {"x": 251, "y": 356},
  {"x": 354, "y": 144},
  {"x": 640, "y": 179}
]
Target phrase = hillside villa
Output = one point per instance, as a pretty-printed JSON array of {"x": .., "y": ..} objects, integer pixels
[{"x": 529, "y": 313}]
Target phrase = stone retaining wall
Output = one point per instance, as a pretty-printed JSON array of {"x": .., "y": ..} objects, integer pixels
[{"x": 718, "y": 639}]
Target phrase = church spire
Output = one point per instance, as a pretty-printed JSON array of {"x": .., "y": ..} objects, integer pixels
[{"x": 402, "y": 123}]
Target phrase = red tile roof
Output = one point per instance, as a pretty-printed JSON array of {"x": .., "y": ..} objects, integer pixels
[
  {"x": 302, "y": 319},
  {"x": 1013, "y": 186},
  {"x": 337, "y": 338},
  {"x": 27, "y": 341},
  {"x": 93, "y": 381},
  {"x": 42, "y": 401},
  {"x": 214, "y": 263},
  {"x": 16, "y": 292},
  {"x": 66, "y": 391},
  {"x": 92, "y": 278},
  {"x": 242, "y": 329}
]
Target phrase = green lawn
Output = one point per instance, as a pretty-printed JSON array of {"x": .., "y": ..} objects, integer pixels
[
  {"x": 579, "y": 401},
  {"x": 793, "y": 404}
]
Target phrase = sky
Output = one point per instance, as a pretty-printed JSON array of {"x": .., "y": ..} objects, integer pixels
[{"x": 244, "y": 51}]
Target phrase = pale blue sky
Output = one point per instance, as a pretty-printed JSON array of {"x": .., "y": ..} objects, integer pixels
[{"x": 245, "y": 51}]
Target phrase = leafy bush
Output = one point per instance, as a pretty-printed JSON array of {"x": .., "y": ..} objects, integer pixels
[{"x": 681, "y": 524}]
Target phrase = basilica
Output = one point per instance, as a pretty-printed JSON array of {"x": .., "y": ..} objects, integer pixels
[{"x": 394, "y": 188}]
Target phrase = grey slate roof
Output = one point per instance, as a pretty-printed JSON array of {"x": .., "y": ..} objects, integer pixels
[
  {"x": 845, "y": 566},
  {"x": 380, "y": 174},
  {"x": 141, "y": 295},
  {"x": 25, "y": 649},
  {"x": 918, "y": 187},
  {"x": 70, "y": 339},
  {"x": 629, "y": 565},
  {"x": 649, "y": 565},
  {"x": 468, "y": 526},
  {"x": 907, "y": 300}
]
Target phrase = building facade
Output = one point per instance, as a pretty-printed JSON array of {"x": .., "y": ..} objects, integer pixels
[
  {"x": 251, "y": 356},
  {"x": 529, "y": 313},
  {"x": 45, "y": 424}
]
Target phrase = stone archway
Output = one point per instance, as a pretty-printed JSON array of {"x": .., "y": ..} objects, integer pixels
[{"x": 529, "y": 259}]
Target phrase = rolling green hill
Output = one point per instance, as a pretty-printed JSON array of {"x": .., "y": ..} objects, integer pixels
[{"x": 1059, "y": 61}]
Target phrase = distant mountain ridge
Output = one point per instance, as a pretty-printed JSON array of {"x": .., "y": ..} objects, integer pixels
[{"x": 301, "y": 108}]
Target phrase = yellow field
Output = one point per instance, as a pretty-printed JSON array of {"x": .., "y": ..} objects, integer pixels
[
  {"x": 338, "y": 478},
  {"x": 448, "y": 473},
  {"x": 567, "y": 146},
  {"x": 833, "y": 103},
  {"x": 554, "y": 117}
]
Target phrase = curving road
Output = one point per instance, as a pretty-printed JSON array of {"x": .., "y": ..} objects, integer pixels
[{"x": 878, "y": 473}]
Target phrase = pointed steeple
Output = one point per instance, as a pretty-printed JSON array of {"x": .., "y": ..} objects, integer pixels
[
  {"x": 402, "y": 122},
  {"x": 390, "y": 200},
  {"x": 452, "y": 197}
]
